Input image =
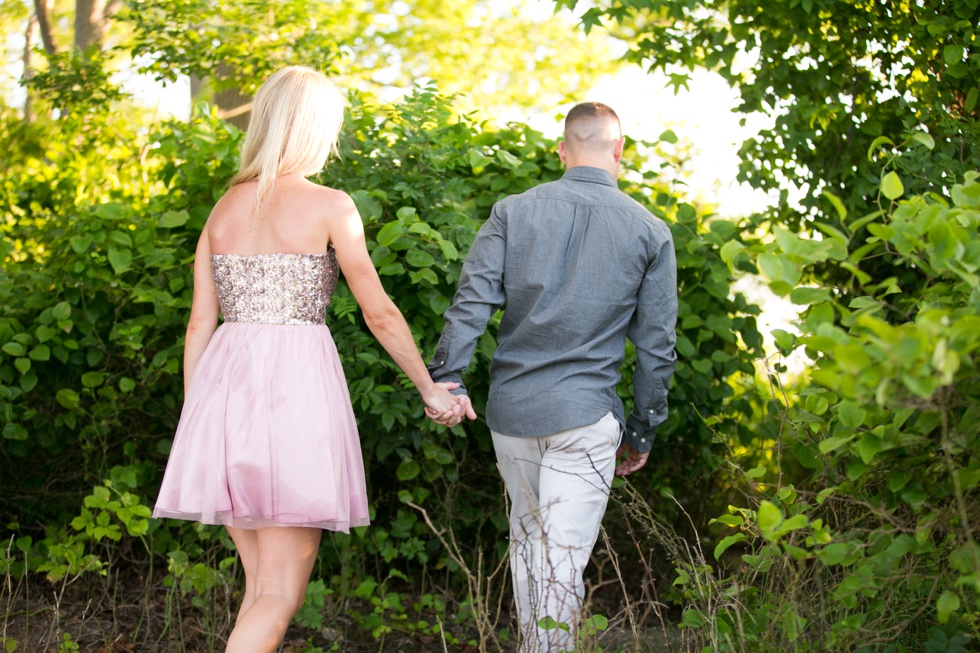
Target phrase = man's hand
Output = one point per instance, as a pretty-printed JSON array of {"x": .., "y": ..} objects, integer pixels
[
  {"x": 632, "y": 461},
  {"x": 462, "y": 407}
]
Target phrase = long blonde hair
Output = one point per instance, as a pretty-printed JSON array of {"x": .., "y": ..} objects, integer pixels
[{"x": 295, "y": 123}]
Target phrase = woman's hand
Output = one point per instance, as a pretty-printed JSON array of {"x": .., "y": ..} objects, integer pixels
[{"x": 445, "y": 408}]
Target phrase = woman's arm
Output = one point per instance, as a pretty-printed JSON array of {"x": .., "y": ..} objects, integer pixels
[
  {"x": 204, "y": 310},
  {"x": 381, "y": 315}
]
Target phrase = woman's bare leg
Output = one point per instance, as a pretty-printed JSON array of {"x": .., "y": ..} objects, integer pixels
[
  {"x": 284, "y": 558},
  {"x": 247, "y": 544}
]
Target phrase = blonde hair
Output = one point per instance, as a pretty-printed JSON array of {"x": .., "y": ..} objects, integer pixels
[{"x": 295, "y": 123}]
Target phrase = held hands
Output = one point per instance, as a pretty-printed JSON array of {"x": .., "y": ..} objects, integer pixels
[
  {"x": 632, "y": 461},
  {"x": 445, "y": 408}
]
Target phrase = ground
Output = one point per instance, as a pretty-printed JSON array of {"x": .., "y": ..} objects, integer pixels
[{"x": 126, "y": 614}]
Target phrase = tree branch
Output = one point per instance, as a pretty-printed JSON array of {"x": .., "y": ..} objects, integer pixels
[{"x": 42, "y": 12}]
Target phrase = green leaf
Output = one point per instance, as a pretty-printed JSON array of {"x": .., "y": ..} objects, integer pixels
[
  {"x": 794, "y": 523},
  {"x": 418, "y": 258},
  {"x": 953, "y": 54},
  {"x": 834, "y": 554},
  {"x": 868, "y": 446},
  {"x": 408, "y": 470},
  {"x": 14, "y": 349},
  {"x": 850, "y": 413},
  {"x": 816, "y": 404},
  {"x": 780, "y": 271},
  {"x": 389, "y": 233},
  {"x": 808, "y": 296},
  {"x": 80, "y": 243},
  {"x": 702, "y": 365},
  {"x": 41, "y": 353},
  {"x": 67, "y": 398},
  {"x": 120, "y": 259},
  {"x": 864, "y": 302},
  {"x": 406, "y": 213},
  {"x": 45, "y": 333},
  {"x": 109, "y": 211},
  {"x": 61, "y": 311},
  {"x": 93, "y": 379},
  {"x": 837, "y": 204},
  {"x": 668, "y": 136},
  {"x": 730, "y": 250},
  {"x": 860, "y": 222},
  {"x": 891, "y": 186},
  {"x": 729, "y": 520},
  {"x": 769, "y": 517},
  {"x": 835, "y": 442},
  {"x": 877, "y": 143},
  {"x": 693, "y": 619},
  {"x": 478, "y": 160},
  {"x": 172, "y": 219},
  {"x": 591, "y": 18},
  {"x": 971, "y": 100},
  {"x": 947, "y": 603},
  {"x": 784, "y": 339},
  {"x": 925, "y": 139},
  {"x": 507, "y": 159},
  {"x": 448, "y": 250},
  {"x": 15, "y": 432},
  {"x": 126, "y": 384},
  {"x": 727, "y": 542},
  {"x": 597, "y": 622},
  {"x": 23, "y": 365}
]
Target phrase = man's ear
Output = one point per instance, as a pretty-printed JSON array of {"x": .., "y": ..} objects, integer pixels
[
  {"x": 618, "y": 149},
  {"x": 561, "y": 151}
]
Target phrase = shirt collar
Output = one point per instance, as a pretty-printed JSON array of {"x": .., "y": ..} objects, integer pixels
[{"x": 590, "y": 174}]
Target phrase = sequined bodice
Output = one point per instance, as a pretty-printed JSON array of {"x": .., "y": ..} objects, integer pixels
[{"x": 275, "y": 288}]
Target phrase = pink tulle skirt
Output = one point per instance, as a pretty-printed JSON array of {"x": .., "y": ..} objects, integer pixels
[{"x": 267, "y": 436}]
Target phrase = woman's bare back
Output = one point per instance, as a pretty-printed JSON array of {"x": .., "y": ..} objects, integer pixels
[{"x": 294, "y": 218}]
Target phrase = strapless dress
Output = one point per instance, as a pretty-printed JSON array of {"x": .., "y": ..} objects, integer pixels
[{"x": 267, "y": 435}]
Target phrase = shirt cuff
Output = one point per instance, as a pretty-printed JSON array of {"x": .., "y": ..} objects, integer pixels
[
  {"x": 639, "y": 434},
  {"x": 441, "y": 375}
]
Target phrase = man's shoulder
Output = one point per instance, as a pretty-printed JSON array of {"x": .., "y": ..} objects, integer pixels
[
  {"x": 599, "y": 196},
  {"x": 542, "y": 190}
]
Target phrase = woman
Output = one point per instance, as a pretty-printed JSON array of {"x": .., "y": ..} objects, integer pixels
[{"x": 267, "y": 444}]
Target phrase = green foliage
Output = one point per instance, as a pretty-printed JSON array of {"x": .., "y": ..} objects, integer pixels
[
  {"x": 95, "y": 290},
  {"x": 94, "y": 301},
  {"x": 835, "y": 76},
  {"x": 879, "y": 543},
  {"x": 372, "y": 45}
]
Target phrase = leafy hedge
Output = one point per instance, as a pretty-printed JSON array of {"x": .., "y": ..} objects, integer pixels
[
  {"x": 95, "y": 291},
  {"x": 875, "y": 547}
]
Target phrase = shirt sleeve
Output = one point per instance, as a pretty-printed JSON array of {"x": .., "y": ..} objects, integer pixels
[
  {"x": 480, "y": 294},
  {"x": 651, "y": 331}
]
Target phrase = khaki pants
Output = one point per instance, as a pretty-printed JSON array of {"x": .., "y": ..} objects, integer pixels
[{"x": 558, "y": 487}]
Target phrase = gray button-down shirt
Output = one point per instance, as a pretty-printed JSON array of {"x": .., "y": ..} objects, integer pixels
[{"x": 580, "y": 266}]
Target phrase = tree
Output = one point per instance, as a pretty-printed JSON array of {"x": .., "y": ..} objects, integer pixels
[
  {"x": 466, "y": 47},
  {"x": 841, "y": 79}
]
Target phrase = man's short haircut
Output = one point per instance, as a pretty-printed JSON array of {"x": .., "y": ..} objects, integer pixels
[{"x": 584, "y": 125}]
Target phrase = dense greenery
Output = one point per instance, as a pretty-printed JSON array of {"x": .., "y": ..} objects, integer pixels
[
  {"x": 96, "y": 288},
  {"x": 833, "y": 76},
  {"x": 842, "y": 499},
  {"x": 858, "y": 526}
]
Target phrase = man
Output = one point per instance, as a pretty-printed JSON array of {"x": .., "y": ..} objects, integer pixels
[{"x": 580, "y": 267}]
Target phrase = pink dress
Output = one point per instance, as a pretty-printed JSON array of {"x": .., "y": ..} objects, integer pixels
[{"x": 267, "y": 436}]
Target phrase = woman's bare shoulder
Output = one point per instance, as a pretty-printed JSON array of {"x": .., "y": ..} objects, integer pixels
[
  {"x": 332, "y": 197},
  {"x": 236, "y": 199}
]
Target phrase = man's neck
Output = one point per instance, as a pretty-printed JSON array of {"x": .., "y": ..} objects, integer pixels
[{"x": 611, "y": 168}]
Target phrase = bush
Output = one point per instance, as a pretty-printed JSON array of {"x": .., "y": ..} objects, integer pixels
[{"x": 875, "y": 549}]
